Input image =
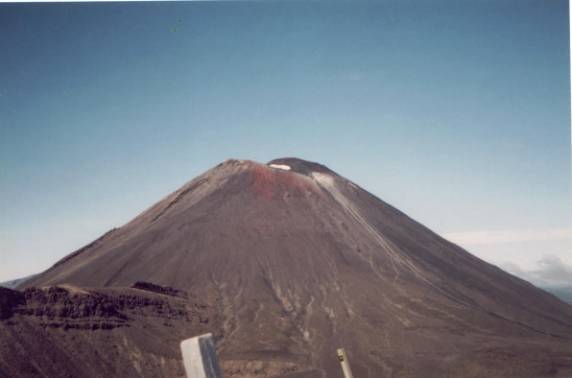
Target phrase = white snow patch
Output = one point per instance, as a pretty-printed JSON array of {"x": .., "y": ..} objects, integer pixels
[{"x": 280, "y": 166}]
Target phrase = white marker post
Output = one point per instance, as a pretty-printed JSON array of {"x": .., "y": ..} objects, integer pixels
[
  {"x": 345, "y": 363},
  {"x": 199, "y": 357}
]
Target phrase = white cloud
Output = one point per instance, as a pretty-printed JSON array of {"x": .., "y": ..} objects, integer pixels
[
  {"x": 470, "y": 238},
  {"x": 550, "y": 271},
  {"x": 541, "y": 256}
]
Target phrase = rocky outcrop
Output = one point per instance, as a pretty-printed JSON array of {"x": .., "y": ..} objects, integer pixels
[
  {"x": 64, "y": 330},
  {"x": 10, "y": 300}
]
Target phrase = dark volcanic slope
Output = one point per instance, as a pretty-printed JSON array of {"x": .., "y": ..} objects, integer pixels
[{"x": 301, "y": 261}]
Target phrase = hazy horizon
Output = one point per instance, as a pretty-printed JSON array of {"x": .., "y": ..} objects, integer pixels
[{"x": 457, "y": 113}]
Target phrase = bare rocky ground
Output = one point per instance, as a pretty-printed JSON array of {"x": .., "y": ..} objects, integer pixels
[
  {"x": 66, "y": 331},
  {"x": 283, "y": 266}
]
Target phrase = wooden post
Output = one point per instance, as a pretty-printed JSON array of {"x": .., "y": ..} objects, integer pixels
[
  {"x": 200, "y": 358},
  {"x": 345, "y": 363}
]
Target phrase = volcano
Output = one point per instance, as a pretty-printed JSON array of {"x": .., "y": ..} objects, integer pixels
[{"x": 284, "y": 263}]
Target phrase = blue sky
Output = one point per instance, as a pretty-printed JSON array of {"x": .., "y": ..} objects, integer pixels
[{"x": 456, "y": 112}]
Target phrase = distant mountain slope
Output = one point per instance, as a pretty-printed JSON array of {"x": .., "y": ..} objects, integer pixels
[
  {"x": 13, "y": 284},
  {"x": 562, "y": 292},
  {"x": 298, "y": 261}
]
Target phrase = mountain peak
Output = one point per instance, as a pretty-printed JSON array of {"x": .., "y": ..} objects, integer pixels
[
  {"x": 292, "y": 164},
  {"x": 297, "y": 255},
  {"x": 298, "y": 165}
]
